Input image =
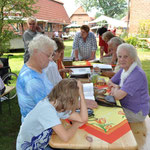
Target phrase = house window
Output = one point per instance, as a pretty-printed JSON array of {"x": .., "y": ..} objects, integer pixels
[
  {"x": 74, "y": 22},
  {"x": 49, "y": 27},
  {"x": 46, "y": 28},
  {"x": 85, "y": 22},
  {"x": 15, "y": 27}
]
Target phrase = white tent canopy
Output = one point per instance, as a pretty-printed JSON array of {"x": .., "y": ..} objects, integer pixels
[
  {"x": 73, "y": 26},
  {"x": 95, "y": 27},
  {"x": 113, "y": 22}
]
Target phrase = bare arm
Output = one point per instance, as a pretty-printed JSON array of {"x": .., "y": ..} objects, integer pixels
[
  {"x": 109, "y": 74},
  {"x": 108, "y": 54},
  {"x": 101, "y": 51},
  {"x": 92, "y": 55},
  {"x": 114, "y": 57},
  {"x": 62, "y": 56},
  {"x": 90, "y": 104},
  {"x": 76, "y": 54},
  {"x": 66, "y": 134},
  {"x": 66, "y": 70},
  {"x": 110, "y": 84},
  {"x": 83, "y": 115},
  {"x": 39, "y": 29},
  {"x": 79, "y": 119},
  {"x": 116, "y": 91},
  {"x": 1, "y": 64}
]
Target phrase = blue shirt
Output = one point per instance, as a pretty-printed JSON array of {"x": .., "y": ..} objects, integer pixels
[
  {"x": 31, "y": 88},
  {"x": 85, "y": 48}
]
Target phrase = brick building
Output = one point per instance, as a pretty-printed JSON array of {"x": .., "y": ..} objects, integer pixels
[
  {"x": 54, "y": 12},
  {"x": 51, "y": 16},
  {"x": 139, "y": 10},
  {"x": 80, "y": 17}
]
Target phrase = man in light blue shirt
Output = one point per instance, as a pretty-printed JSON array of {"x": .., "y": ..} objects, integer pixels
[
  {"x": 32, "y": 83},
  {"x": 84, "y": 44}
]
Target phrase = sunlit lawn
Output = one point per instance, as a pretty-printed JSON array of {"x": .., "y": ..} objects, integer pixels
[{"x": 9, "y": 125}]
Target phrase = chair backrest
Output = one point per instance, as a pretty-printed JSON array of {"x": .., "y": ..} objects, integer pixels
[{"x": 4, "y": 70}]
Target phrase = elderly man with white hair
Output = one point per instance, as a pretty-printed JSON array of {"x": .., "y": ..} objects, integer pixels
[
  {"x": 32, "y": 83},
  {"x": 113, "y": 43},
  {"x": 29, "y": 34},
  {"x": 130, "y": 85}
]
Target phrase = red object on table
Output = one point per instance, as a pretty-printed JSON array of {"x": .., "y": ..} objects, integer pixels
[{"x": 86, "y": 64}]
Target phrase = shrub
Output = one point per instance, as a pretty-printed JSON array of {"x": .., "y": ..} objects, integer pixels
[
  {"x": 132, "y": 40},
  {"x": 135, "y": 41},
  {"x": 5, "y": 37}
]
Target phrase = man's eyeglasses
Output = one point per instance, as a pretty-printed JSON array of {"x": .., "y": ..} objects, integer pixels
[{"x": 32, "y": 24}]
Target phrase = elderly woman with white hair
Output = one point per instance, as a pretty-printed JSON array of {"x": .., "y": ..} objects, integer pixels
[
  {"x": 130, "y": 85},
  {"x": 32, "y": 83}
]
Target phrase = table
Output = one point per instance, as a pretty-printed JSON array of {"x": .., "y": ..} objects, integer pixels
[
  {"x": 79, "y": 141},
  {"x": 141, "y": 132},
  {"x": 85, "y": 140}
]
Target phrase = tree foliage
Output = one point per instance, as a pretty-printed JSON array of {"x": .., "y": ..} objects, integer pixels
[
  {"x": 110, "y": 8},
  {"x": 8, "y": 11}
]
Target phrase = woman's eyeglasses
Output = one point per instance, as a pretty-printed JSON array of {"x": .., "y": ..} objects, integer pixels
[{"x": 48, "y": 56}]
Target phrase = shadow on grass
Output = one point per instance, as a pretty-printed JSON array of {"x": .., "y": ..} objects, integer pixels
[
  {"x": 9, "y": 125},
  {"x": 14, "y": 56}
]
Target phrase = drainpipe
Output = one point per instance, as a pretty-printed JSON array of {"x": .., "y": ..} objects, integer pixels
[{"x": 129, "y": 2}]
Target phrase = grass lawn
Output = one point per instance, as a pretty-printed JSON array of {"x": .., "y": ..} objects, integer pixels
[{"x": 9, "y": 124}]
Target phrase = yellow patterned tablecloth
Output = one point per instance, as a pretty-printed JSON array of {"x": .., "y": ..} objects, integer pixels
[{"x": 108, "y": 123}]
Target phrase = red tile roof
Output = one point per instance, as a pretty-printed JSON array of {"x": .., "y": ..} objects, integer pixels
[
  {"x": 59, "y": 1},
  {"x": 80, "y": 11},
  {"x": 53, "y": 11}
]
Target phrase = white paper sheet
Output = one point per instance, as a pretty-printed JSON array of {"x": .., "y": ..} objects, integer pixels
[{"x": 102, "y": 66}]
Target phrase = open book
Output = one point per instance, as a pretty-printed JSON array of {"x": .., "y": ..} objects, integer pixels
[
  {"x": 103, "y": 66},
  {"x": 80, "y": 72},
  {"x": 88, "y": 90}
]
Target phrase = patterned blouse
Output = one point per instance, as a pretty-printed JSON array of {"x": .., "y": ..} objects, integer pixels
[{"x": 85, "y": 48}]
